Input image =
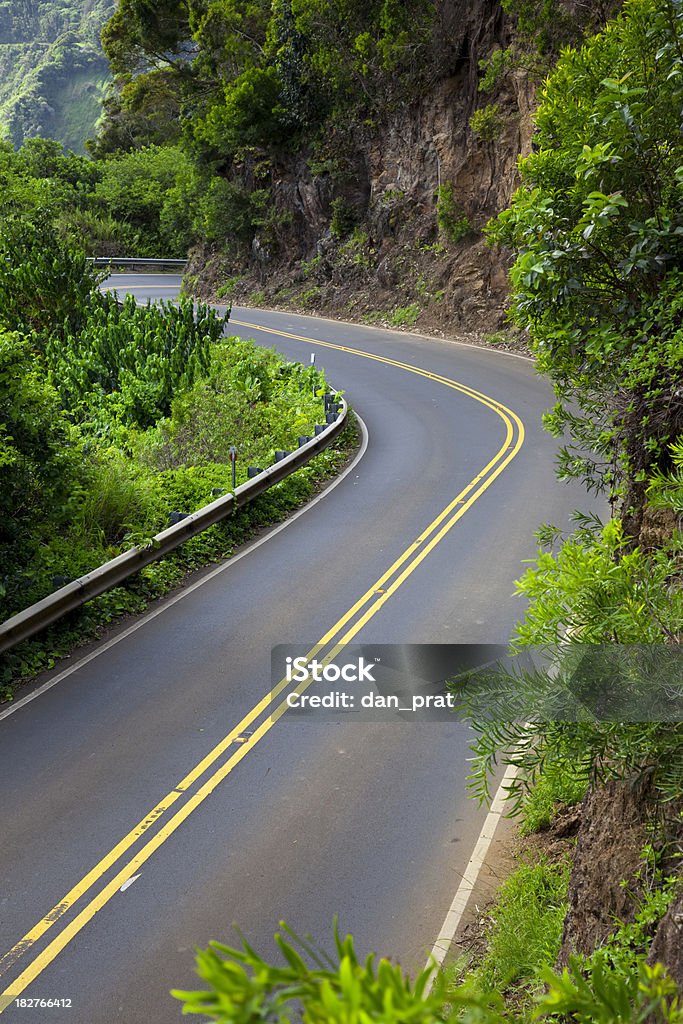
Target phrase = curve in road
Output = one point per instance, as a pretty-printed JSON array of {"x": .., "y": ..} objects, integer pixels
[{"x": 369, "y": 819}]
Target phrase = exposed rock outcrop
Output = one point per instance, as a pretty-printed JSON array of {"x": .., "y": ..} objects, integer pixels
[
  {"x": 667, "y": 947},
  {"x": 609, "y": 877},
  {"x": 393, "y": 171}
]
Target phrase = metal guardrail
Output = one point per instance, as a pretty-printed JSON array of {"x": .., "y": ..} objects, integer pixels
[
  {"x": 37, "y": 617},
  {"x": 128, "y": 261}
]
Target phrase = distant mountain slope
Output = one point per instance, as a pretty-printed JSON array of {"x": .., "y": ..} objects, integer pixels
[{"x": 52, "y": 70}]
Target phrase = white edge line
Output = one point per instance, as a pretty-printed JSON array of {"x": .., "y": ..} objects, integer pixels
[
  {"x": 195, "y": 586},
  {"x": 469, "y": 879}
]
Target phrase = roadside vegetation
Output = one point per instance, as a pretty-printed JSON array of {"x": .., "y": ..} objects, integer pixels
[
  {"x": 113, "y": 418},
  {"x": 129, "y": 204},
  {"x": 597, "y": 232}
]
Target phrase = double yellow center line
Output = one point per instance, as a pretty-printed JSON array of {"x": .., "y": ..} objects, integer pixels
[{"x": 267, "y": 711}]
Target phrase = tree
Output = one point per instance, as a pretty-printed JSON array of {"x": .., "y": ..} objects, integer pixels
[
  {"x": 597, "y": 228},
  {"x": 143, "y": 34}
]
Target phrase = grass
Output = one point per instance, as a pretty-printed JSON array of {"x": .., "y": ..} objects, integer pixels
[
  {"x": 525, "y": 929},
  {"x": 551, "y": 790}
]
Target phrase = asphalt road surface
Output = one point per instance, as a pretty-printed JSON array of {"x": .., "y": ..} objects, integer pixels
[{"x": 151, "y": 798}]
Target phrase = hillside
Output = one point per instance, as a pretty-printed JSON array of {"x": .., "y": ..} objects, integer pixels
[
  {"x": 52, "y": 70},
  {"x": 348, "y": 154}
]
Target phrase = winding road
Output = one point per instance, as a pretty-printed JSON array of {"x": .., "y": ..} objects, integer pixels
[{"x": 154, "y": 795}]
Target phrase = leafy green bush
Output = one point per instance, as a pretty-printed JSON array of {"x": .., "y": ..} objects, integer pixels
[
  {"x": 226, "y": 210},
  {"x": 243, "y": 987},
  {"x": 46, "y": 286},
  {"x": 597, "y": 227},
  {"x": 126, "y": 363},
  {"x": 592, "y": 592},
  {"x": 607, "y": 996},
  {"x": 141, "y": 203},
  {"x": 40, "y": 457},
  {"x": 99, "y": 233},
  {"x": 494, "y": 68},
  {"x": 249, "y": 398},
  {"x": 487, "y": 122},
  {"x": 136, "y": 190},
  {"x": 309, "y": 985},
  {"x": 452, "y": 221}
]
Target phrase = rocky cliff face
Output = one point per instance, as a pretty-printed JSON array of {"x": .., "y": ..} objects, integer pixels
[
  {"x": 610, "y": 877},
  {"x": 397, "y": 264}
]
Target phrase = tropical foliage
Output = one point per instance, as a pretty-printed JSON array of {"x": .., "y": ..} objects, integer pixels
[
  {"x": 131, "y": 204},
  {"x": 112, "y": 416},
  {"x": 310, "y": 986}
]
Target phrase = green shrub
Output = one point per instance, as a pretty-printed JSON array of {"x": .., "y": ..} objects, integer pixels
[
  {"x": 126, "y": 363},
  {"x": 41, "y": 463},
  {"x": 46, "y": 286},
  {"x": 604, "y": 996},
  {"x": 100, "y": 233},
  {"x": 307, "y": 984},
  {"x": 598, "y": 234},
  {"x": 405, "y": 316},
  {"x": 343, "y": 218},
  {"x": 487, "y": 123},
  {"x": 244, "y": 987},
  {"x": 452, "y": 221},
  {"x": 494, "y": 68},
  {"x": 134, "y": 190}
]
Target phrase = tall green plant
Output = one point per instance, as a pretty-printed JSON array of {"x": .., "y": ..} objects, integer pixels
[
  {"x": 126, "y": 363},
  {"x": 310, "y": 986},
  {"x": 245, "y": 988}
]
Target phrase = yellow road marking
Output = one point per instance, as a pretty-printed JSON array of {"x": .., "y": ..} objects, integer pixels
[{"x": 492, "y": 470}]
